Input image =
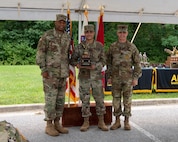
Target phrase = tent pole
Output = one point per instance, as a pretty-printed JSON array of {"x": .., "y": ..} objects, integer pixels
[{"x": 135, "y": 32}]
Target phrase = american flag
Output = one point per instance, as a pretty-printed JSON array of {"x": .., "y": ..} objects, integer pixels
[{"x": 71, "y": 81}]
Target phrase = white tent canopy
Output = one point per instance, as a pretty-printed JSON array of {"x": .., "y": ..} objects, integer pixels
[{"x": 138, "y": 11}]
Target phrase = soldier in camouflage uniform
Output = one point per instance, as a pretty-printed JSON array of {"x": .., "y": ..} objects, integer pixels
[
  {"x": 53, "y": 60},
  {"x": 90, "y": 76},
  {"x": 124, "y": 69},
  {"x": 8, "y": 133}
]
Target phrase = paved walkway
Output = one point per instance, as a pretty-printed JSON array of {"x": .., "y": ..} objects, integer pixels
[{"x": 152, "y": 121}]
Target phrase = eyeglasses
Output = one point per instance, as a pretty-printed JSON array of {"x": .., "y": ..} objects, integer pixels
[{"x": 88, "y": 31}]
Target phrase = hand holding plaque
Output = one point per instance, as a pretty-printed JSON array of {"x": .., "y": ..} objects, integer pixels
[{"x": 85, "y": 60}]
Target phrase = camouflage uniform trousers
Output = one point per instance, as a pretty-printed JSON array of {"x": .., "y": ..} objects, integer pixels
[
  {"x": 122, "y": 89},
  {"x": 97, "y": 93},
  {"x": 54, "y": 89}
]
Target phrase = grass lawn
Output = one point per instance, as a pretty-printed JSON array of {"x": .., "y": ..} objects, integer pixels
[
  {"x": 20, "y": 85},
  {"x": 23, "y": 85}
]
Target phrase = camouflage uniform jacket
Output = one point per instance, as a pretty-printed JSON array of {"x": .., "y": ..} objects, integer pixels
[
  {"x": 53, "y": 53},
  {"x": 8, "y": 133},
  {"x": 97, "y": 55},
  {"x": 123, "y": 61}
]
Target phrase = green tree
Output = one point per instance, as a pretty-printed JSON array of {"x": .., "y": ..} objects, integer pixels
[
  {"x": 171, "y": 36},
  {"x": 148, "y": 40},
  {"x": 16, "y": 35},
  {"x": 19, "y": 39}
]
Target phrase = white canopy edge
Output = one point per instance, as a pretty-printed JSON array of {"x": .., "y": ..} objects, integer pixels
[
  {"x": 49, "y": 15},
  {"x": 135, "y": 11}
]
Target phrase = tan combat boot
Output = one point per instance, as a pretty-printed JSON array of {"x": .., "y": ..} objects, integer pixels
[
  {"x": 126, "y": 124},
  {"x": 85, "y": 125},
  {"x": 50, "y": 130},
  {"x": 101, "y": 123},
  {"x": 59, "y": 127},
  {"x": 117, "y": 124}
]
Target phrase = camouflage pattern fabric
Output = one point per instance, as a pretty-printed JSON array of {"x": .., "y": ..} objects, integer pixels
[
  {"x": 91, "y": 78},
  {"x": 53, "y": 57},
  {"x": 123, "y": 64},
  {"x": 97, "y": 93},
  {"x": 8, "y": 133},
  {"x": 54, "y": 89},
  {"x": 53, "y": 53},
  {"x": 97, "y": 56}
]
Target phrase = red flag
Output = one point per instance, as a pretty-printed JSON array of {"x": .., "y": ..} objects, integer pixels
[
  {"x": 100, "y": 38},
  {"x": 100, "y": 35}
]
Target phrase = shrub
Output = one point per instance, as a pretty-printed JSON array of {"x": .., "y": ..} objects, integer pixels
[{"x": 16, "y": 54}]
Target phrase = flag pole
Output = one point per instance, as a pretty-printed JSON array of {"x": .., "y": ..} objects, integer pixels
[
  {"x": 68, "y": 14},
  {"x": 100, "y": 38},
  {"x": 79, "y": 27},
  {"x": 72, "y": 73}
]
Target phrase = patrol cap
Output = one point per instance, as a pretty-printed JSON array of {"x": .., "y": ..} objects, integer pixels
[
  {"x": 89, "y": 27},
  {"x": 60, "y": 17},
  {"x": 122, "y": 28}
]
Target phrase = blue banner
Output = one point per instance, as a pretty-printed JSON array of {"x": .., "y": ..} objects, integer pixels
[{"x": 166, "y": 80}]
